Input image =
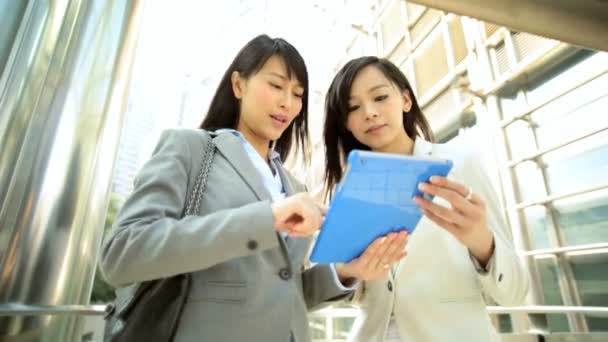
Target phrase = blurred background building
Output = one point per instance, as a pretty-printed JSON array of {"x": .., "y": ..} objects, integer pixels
[{"x": 537, "y": 108}]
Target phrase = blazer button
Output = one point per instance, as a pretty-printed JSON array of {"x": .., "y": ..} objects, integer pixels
[
  {"x": 284, "y": 273},
  {"x": 500, "y": 277},
  {"x": 252, "y": 244},
  {"x": 389, "y": 285}
]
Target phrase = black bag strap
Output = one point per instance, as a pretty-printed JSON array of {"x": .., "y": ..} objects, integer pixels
[
  {"x": 192, "y": 207},
  {"x": 194, "y": 201}
]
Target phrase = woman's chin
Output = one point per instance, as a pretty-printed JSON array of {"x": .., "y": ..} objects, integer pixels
[
  {"x": 274, "y": 134},
  {"x": 374, "y": 144}
]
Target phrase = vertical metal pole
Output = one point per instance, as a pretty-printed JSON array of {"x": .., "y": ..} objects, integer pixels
[{"x": 70, "y": 87}]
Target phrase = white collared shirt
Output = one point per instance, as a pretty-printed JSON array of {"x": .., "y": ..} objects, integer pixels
[{"x": 272, "y": 180}]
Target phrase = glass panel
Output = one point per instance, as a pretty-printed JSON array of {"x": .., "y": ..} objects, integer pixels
[
  {"x": 317, "y": 328},
  {"x": 413, "y": 12},
  {"x": 583, "y": 219},
  {"x": 505, "y": 324},
  {"x": 400, "y": 52},
  {"x": 432, "y": 64},
  {"x": 441, "y": 116},
  {"x": 342, "y": 327},
  {"x": 521, "y": 139},
  {"x": 458, "y": 41},
  {"x": 529, "y": 181},
  {"x": 537, "y": 226},
  {"x": 392, "y": 25},
  {"x": 426, "y": 22},
  {"x": 511, "y": 103},
  {"x": 573, "y": 114},
  {"x": 579, "y": 165},
  {"x": 592, "y": 282},
  {"x": 558, "y": 323},
  {"x": 578, "y": 68},
  {"x": 547, "y": 269}
]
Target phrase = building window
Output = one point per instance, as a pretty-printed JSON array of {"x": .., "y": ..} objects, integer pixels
[
  {"x": 459, "y": 43},
  {"x": 392, "y": 26},
  {"x": 431, "y": 65}
]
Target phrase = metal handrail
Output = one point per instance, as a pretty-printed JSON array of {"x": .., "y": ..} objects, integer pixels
[
  {"x": 16, "y": 309},
  {"x": 493, "y": 310},
  {"x": 531, "y": 109},
  {"x": 552, "y": 198},
  {"x": 568, "y": 249},
  {"x": 597, "y": 311},
  {"x": 552, "y": 148}
]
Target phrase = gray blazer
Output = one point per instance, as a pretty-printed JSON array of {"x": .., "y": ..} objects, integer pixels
[{"x": 248, "y": 283}]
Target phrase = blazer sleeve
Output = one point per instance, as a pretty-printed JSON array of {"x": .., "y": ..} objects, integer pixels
[
  {"x": 504, "y": 278},
  {"x": 150, "y": 238},
  {"x": 321, "y": 288}
]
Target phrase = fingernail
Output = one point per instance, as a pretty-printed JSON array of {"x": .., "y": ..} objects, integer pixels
[
  {"x": 435, "y": 179},
  {"x": 382, "y": 240},
  {"x": 421, "y": 186}
]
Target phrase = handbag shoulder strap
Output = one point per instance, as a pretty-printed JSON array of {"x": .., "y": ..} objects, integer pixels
[
  {"x": 126, "y": 297},
  {"x": 194, "y": 201}
]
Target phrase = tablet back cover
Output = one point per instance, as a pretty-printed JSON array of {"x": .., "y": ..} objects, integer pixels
[{"x": 374, "y": 199}]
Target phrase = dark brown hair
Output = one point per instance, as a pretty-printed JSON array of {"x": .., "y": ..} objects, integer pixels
[{"x": 224, "y": 108}]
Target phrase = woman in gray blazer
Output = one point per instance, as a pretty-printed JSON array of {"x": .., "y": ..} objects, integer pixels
[{"x": 246, "y": 249}]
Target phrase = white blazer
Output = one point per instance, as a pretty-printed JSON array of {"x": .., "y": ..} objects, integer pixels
[{"x": 435, "y": 292}]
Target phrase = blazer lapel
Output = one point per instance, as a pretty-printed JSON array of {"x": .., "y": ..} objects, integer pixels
[
  {"x": 295, "y": 247},
  {"x": 289, "y": 190},
  {"x": 231, "y": 147},
  {"x": 288, "y": 187}
]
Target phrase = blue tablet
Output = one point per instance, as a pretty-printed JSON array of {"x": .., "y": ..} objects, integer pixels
[{"x": 374, "y": 198}]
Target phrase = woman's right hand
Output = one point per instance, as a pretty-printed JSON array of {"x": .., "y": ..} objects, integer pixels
[{"x": 298, "y": 215}]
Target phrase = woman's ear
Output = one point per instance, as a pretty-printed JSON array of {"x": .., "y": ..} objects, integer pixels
[
  {"x": 237, "y": 84},
  {"x": 407, "y": 101}
]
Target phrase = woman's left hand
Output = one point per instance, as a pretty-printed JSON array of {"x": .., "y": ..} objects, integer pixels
[
  {"x": 376, "y": 260},
  {"x": 466, "y": 219}
]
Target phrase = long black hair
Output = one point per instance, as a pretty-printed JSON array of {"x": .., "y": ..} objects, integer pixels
[
  {"x": 224, "y": 108},
  {"x": 339, "y": 141}
]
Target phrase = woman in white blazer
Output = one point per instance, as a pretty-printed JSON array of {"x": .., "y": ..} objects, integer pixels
[{"x": 460, "y": 249}]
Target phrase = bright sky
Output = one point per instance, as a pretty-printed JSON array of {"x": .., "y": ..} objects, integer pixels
[
  {"x": 186, "y": 45},
  {"x": 188, "y": 36}
]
